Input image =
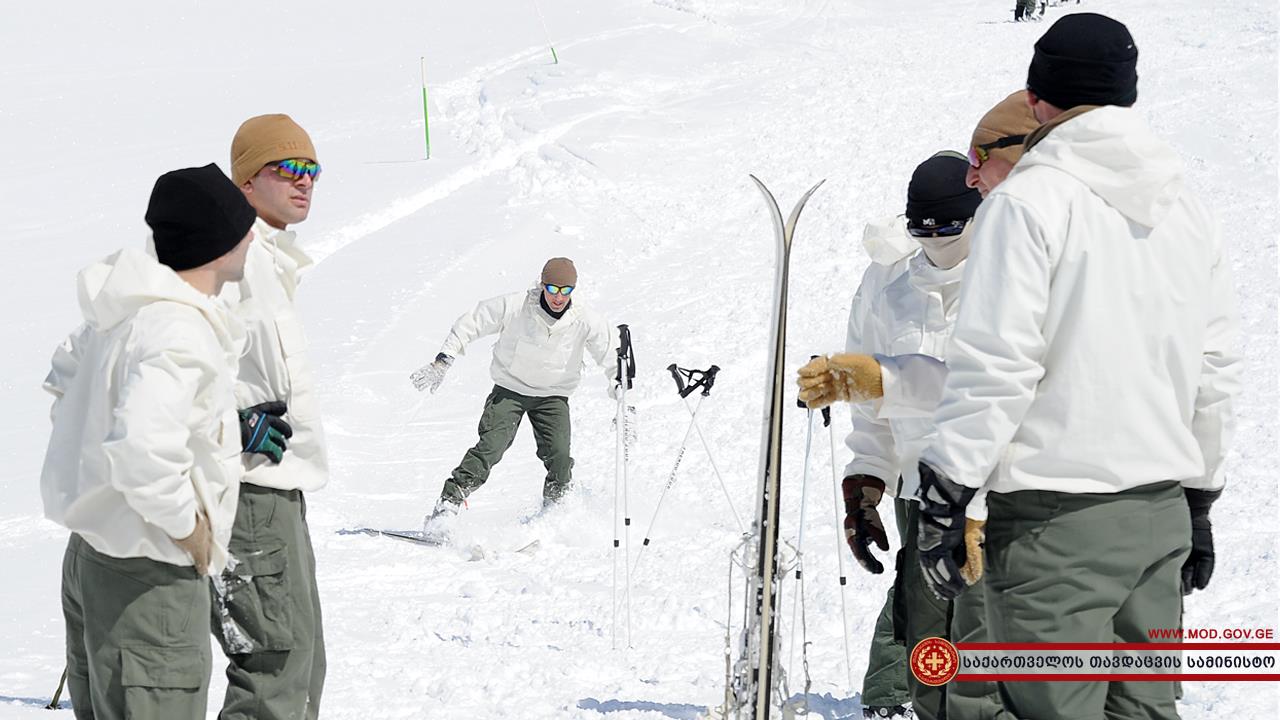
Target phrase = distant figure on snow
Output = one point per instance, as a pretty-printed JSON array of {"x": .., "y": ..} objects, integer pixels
[{"x": 537, "y": 363}]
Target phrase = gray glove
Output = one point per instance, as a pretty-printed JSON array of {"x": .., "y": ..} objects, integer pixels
[{"x": 429, "y": 376}]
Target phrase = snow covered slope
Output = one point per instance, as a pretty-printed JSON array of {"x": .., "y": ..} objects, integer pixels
[{"x": 631, "y": 156}]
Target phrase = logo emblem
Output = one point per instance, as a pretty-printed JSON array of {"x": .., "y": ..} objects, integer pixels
[{"x": 934, "y": 661}]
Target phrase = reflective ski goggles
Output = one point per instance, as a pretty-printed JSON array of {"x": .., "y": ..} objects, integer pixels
[
  {"x": 293, "y": 169},
  {"x": 979, "y": 154},
  {"x": 558, "y": 289},
  {"x": 951, "y": 229}
]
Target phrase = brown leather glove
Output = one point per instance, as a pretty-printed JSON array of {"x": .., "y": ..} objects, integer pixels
[
  {"x": 847, "y": 377},
  {"x": 975, "y": 533},
  {"x": 862, "y": 524},
  {"x": 199, "y": 543}
]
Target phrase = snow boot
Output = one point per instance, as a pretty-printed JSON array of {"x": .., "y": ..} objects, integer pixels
[
  {"x": 438, "y": 526},
  {"x": 895, "y": 711},
  {"x": 892, "y": 711}
]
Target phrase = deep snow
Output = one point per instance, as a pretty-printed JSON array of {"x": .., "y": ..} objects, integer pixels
[{"x": 631, "y": 156}]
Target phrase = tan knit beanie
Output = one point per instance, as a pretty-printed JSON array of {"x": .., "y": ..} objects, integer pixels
[
  {"x": 264, "y": 139},
  {"x": 560, "y": 271},
  {"x": 1011, "y": 116}
]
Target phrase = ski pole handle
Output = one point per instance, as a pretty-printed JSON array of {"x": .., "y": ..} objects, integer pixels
[
  {"x": 626, "y": 357},
  {"x": 709, "y": 379},
  {"x": 826, "y": 414},
  {"x": 703, "y": 379},
  {"x": 675, "y": 375}
]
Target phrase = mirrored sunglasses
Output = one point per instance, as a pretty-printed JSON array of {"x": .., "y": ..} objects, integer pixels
[
  {"x": 295, "y": 168},
  {"x": 979, "y": 154},
  {"x": 558, "y": 289}
]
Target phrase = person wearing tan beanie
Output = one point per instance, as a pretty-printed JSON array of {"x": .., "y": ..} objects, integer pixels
[
  {"x": 280, "y": 673},
  {"x": 544, "y": 337},
  {"x": 997, "y": 141}
]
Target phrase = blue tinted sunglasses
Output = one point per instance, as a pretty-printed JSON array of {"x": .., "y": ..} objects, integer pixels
[
  {"x": 558, "y": 289},
  {"x": 951, "y": 229}
]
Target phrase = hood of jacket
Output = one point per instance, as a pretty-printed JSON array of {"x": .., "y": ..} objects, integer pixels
[
  {"x": 113, "y": 289},
  {"x": 1114, "y": 153},
  {"x": 886, "y": 240}
]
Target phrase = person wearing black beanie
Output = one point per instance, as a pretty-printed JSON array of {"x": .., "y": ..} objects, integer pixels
[
  {"x": 1084, "y": 59},
  {"x": 905, "y": 309},
  {"x": 196, "y": 216},
  {"x": 1091, "y": 377},
  {"x": 136, "y": 467}
]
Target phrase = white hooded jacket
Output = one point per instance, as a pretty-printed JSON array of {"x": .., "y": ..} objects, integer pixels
[
  {"x": 276, "y": 363},
  {"x": 1093, "y": 350},
  {"x": 145, "y": 431},
  {"x": 536, "y": 355},
  {"x": 911, "y": 315}
]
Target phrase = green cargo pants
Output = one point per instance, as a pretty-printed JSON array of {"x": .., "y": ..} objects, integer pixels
[
  {"x": 136, "y": 643},
  {"x": 1096, "y": 568},
  {"x": 885, "y": 684},
  {"x": 273, "y": 601},
  {"x": 918, "y": 613},
  {"x": 503, "y": 410},
  {"x": 973, "y": 700}
]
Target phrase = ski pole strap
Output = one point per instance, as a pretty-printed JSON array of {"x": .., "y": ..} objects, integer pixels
[
  {"x": 826, "y": 416},
  {"x": 626, "y": 357},
  {"x": 689, "y": 381}
]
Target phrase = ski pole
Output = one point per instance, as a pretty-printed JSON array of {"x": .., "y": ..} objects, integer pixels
[
  {"x": 671, "y": 480},
  {"x": 707, "y": 446},
  {"x": 835, "y": 504},
  {"x": 53, "y": 704},
  {"x": 617, "y": 478},
  {"x": 624, "y": 378},
  {"x": 804, "y": 496},
  {"x": 697, "y": 380}
]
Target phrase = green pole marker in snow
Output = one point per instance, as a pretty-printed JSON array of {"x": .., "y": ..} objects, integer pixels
[
  {"x": 554, "y": 59},
  {"x": 426, "y": 123}
]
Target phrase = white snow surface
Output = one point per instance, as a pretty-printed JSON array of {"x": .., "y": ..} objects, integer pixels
[{"x": 631, "y": 156}]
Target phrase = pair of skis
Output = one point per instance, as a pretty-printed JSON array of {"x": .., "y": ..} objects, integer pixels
[{"x": 752, "y": 678}]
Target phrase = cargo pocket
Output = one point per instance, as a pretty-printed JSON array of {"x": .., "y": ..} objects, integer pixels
[
  {"x": 164, "y": 682},
  {"x": 257, "y": 601}
]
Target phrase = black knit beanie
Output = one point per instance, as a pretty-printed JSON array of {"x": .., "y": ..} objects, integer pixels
[
  {"x": 197, "y": 215},
  {"x": 937, "y": 194},
  {"x": 1085, "y": 59}
]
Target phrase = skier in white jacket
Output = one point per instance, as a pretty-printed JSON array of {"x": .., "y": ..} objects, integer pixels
[
  {"x": 910, "y": 313},
  {"x": 274, "y": 640},
  {"x": 1091, "y": 379},
  {"x": 543, "y": 340},
  {"x": 142, "y": 465},
  {"x": 896, "y": 424}
]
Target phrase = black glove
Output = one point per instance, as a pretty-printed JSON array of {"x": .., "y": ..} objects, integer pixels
[
  {"x": 862, "y": 524},
  {"x": 1198, "y": 568},
  {"x": 264, "y": 431},
  {"x": 941, "y": 536}
]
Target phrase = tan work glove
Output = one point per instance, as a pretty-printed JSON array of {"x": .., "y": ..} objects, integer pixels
[
  {"x": 848, "y": 377},
  {"x": 199, "y": 543},
  {"x": 975, "y": 533}
]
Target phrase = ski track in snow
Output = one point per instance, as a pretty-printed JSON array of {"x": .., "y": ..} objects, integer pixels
[{"x": 631, "y": 156}]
